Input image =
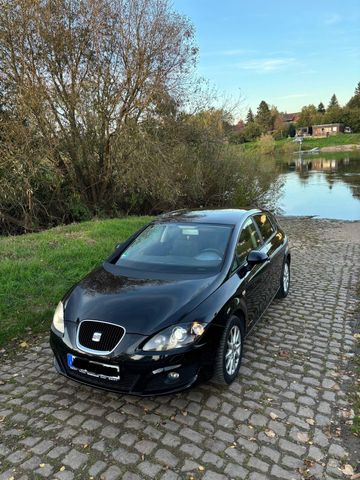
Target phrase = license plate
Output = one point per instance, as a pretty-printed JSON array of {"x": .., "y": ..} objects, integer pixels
[{"x": 93, "y": 369}]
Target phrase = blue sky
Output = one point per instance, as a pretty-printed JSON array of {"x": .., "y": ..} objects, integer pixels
[{"x": 285, "y": 52}]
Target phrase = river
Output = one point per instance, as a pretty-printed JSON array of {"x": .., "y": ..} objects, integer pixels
[{"x": 326, "y": 185}]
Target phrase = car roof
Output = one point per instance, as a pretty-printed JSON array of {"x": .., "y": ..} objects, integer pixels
[{"x": 229, "y": 216}]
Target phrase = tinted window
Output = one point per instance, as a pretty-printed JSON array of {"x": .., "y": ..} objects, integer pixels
[
  {"x": 265, "y": 226},
  {"x": 175, "y": 247},
  {"x": 248, "y": 240}
]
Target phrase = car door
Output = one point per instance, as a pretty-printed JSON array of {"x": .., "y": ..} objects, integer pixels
[
  {"x": 253, "y": 286},
  {"x": 272, "y": 245}
]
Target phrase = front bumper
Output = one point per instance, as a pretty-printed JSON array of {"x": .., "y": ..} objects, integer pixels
[{"x": 143, "y": 375}]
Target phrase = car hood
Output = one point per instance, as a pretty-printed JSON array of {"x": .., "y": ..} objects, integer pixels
[{"x": 140, "y": 305}]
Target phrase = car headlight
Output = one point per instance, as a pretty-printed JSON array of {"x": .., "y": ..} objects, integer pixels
[
  {"x": 176, "y": 336},
  {"x": 58, "y": 319}
]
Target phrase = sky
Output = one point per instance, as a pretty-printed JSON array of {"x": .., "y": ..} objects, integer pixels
[{"x": 288, "y": 53}]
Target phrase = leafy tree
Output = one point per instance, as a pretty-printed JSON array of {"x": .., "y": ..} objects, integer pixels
[
  {"x": 321, "y": 108},
  {"x": 351, "y": 118},
  {"x": 249, "y": 116},
  {"x": 264, "y": 117},
  {"x": 252, "y": 131},
  {"x": 84, "y": 76},
  {"x": 308, "y": 116}
]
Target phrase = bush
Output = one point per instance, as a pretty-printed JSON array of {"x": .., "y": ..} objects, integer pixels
[{"x": 266, "y": 144}]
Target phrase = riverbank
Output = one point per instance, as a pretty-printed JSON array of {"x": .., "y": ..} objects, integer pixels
[
  {"x": 343, "y": 142},
  {"x": 341, "y": 148}
]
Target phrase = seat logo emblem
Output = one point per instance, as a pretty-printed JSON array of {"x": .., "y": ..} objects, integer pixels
[{"x": 96, "y": 337}]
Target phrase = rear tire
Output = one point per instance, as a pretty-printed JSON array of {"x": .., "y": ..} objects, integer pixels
[
  {"x": 284, "y": 280},
  {"x": 229, "y": 353}
]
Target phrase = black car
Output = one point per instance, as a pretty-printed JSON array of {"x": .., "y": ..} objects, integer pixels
[{"x": 173, "y": 304}]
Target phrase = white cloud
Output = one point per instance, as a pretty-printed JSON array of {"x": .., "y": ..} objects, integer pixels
[
  {"x": 267, "y": 65},
  {"x": 228, "y": 52},
  {"x": 333, "y": 19}
]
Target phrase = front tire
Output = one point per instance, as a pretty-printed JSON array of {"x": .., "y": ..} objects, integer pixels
[
  {"x": 229, "y": 353},
  {"x": 284, "y": 280}
]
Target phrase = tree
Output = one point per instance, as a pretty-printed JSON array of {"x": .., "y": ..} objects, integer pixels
[
  {"x": 264, "y": 117},
  {"x": 321, "y": 108},
  {"x": 308, "y": 116},
  {"x": 82, "y": 74},
  {"x": 334, "y": 113},
  {"x": 354, "y": 101},
  {"x": 249, "y": 116},
  {"x": 333, "y": 102}
]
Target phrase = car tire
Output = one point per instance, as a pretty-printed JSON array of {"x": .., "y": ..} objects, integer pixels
[
  {"x": 225, "y": 371},
  {"x": 284, "y": 280}
]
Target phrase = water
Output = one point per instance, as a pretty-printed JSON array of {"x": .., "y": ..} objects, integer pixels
[{"x": 324, "y": 185}]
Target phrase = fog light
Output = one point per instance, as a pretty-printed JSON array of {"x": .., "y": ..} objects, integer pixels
[{"x": 173, "y": 376}]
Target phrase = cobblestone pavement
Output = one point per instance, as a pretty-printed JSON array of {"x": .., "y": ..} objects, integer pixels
[{"x": 280, "y": 420}]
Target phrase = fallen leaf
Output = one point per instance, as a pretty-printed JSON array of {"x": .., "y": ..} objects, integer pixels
[
  {"x": 184, "y": 413},
  {"x": 232, "y": 446},
  {"x": 270, "y": 433},
  {"x": 42, "y": 465},
  {"x": 62, "y": 468},
  {"x": 2, "y": 382},
  {"x": 2, "y": 419},
  {"x": 347, "y": 469},
  {"x": 357, "y": 336},
  {"x": 24, "y": 344},
  {"x": 283, "y": 353},
  {"x": 85, "y": 445},
  {"x": 273, "y": 415},
  {"x": 201, "y": 468},
  {"x": 310, "y": 421}
]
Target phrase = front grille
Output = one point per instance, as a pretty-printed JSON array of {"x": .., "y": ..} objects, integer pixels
[{"x": 110, "y": 335}]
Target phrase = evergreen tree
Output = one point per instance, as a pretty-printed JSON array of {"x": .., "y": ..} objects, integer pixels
[
  {"x": 357, "y": 90},
  {"x": 333, "y": 102},
  {"x": 264, "y": 117},
  {"x": 249, "y": 116},
  {"x": 321, "y": 108},
  {"x": 354, "y": 101}
]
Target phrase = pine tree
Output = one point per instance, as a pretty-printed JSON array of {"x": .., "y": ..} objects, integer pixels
[
  {"x": 354, "y": 101},
  {"x": 357, "y": 90},
  {"x": 249, "y": 116},
  {"x": 264, "y": 117},
  {"x": 333, "y": 102},
  {"x": 321, "y": 108}
]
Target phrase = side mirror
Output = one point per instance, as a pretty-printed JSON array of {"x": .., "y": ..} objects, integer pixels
[{"x": 256, "y": 257}]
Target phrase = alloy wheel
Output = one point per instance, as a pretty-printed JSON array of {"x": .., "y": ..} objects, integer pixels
[{"x": 233, "y": 352}]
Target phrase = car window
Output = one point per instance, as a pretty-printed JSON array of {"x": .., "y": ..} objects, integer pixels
[
  {"x": 248, "y": 240},
  {"x": 178, "y": 248},
  {"x": 265, "y": 226}
]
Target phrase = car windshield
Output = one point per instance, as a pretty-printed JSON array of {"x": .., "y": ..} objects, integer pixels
[{"x": 178, "y": 248}]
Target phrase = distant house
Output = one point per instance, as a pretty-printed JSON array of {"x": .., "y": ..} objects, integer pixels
[
  {"x": 304, "y": 131},
  {"x": 327, "y": 129},
  {"x": 239, "y": 126},
  {"x": 290, "y": 117}
]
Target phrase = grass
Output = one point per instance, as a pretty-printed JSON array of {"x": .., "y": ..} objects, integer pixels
[{"x": 37, "y": 269}]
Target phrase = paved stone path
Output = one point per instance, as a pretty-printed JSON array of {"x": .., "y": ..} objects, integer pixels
[{"x": 280, "y": 420}]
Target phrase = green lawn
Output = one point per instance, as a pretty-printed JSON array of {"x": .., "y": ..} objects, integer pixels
[
  {"x": 37, "y": 269},
  {"x": 309, "y": 142},
  {"x": 341, "y": 139}
]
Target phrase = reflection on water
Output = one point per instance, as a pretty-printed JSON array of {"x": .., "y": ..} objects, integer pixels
[{"x": 326, "y": 185}]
